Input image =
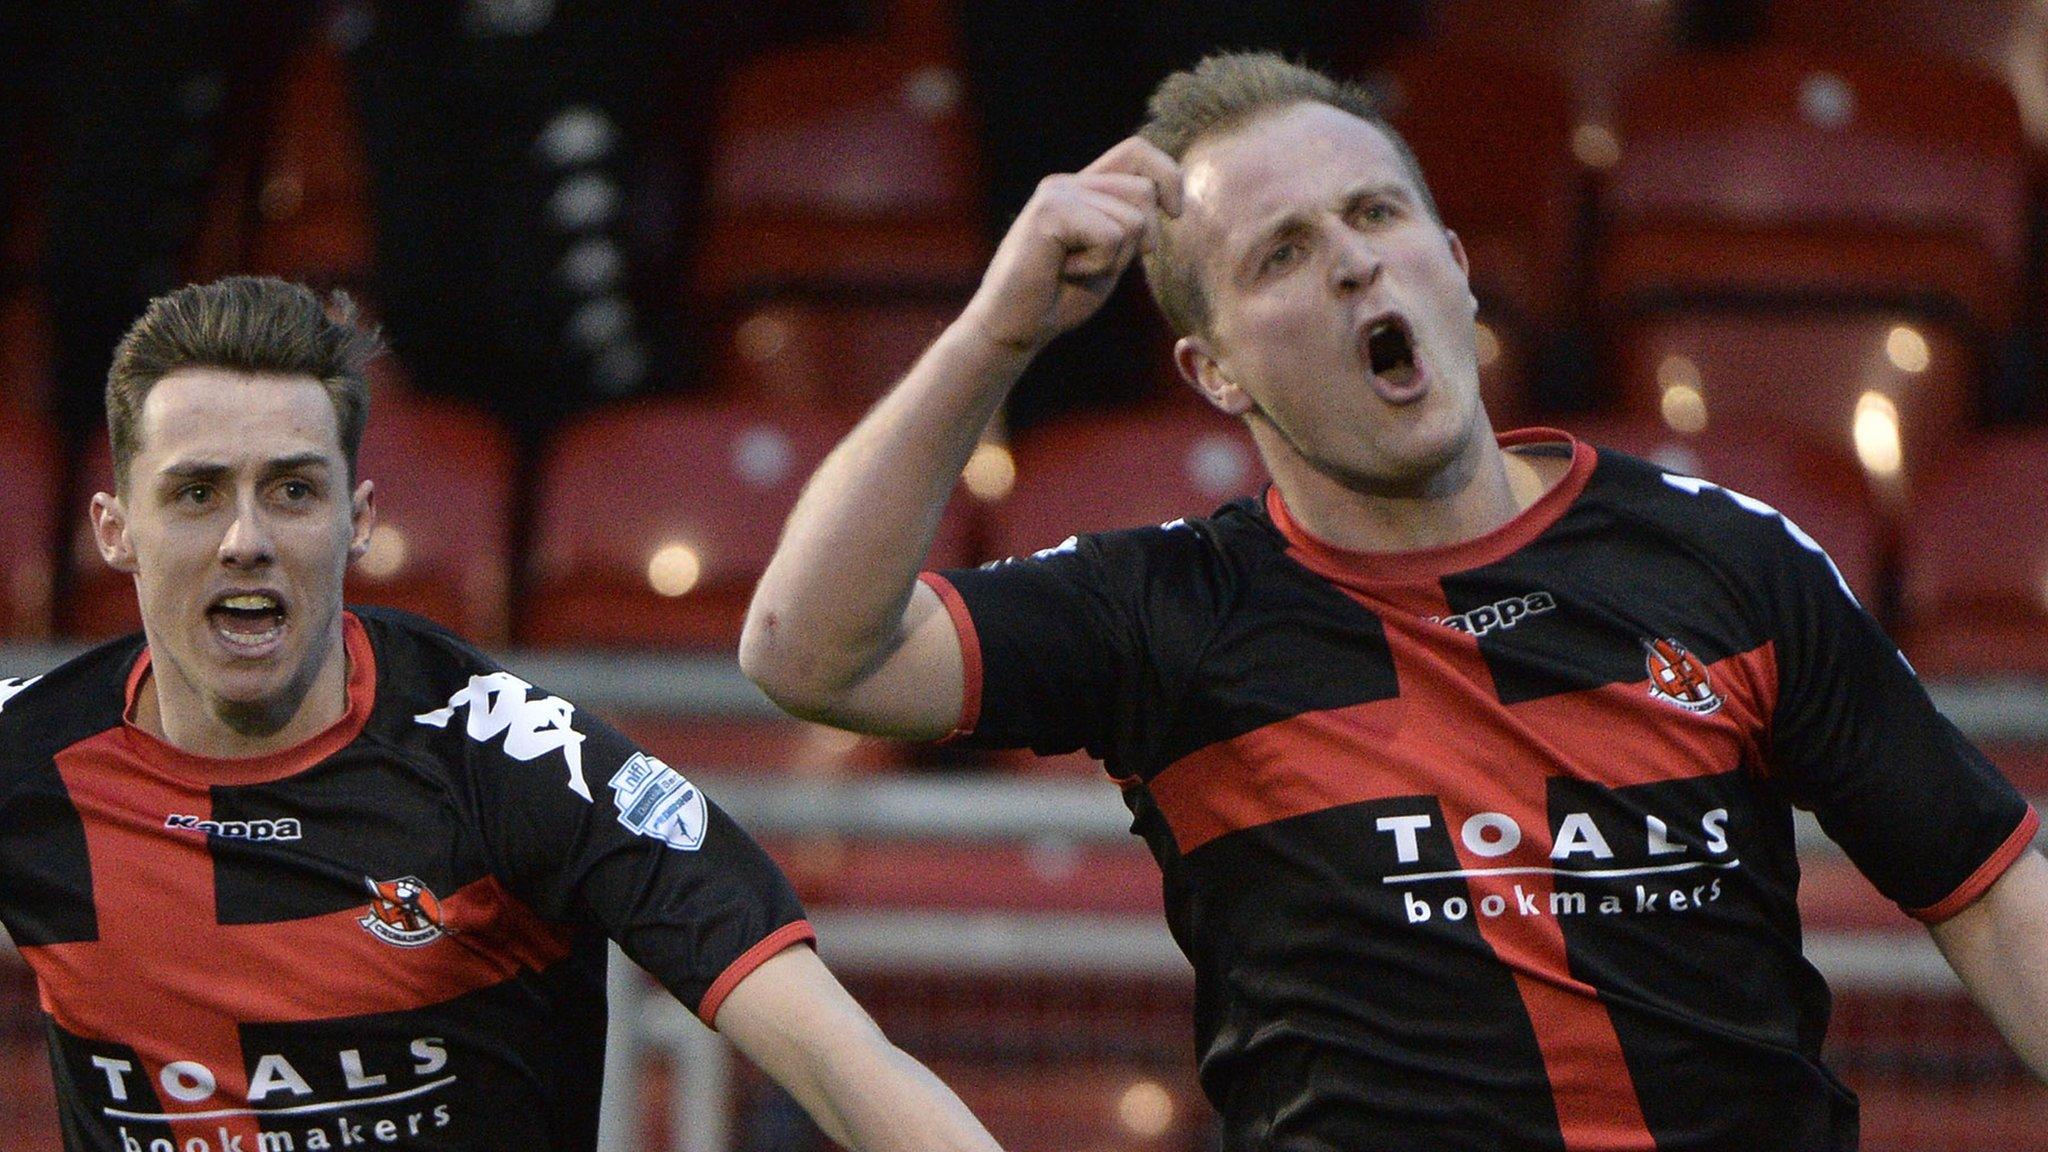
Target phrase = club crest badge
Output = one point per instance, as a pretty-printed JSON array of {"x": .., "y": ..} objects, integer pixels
[
  {"x": 403, "y": 912},
  {"x": 1678, "y": 677},
  {"x": 655, "y": 800}
]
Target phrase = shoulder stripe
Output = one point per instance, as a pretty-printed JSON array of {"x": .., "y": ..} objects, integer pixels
[{"x": 1695, "y": 486}]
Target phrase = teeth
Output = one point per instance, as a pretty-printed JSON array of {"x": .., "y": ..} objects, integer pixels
[{"x": 250, "y": 603}]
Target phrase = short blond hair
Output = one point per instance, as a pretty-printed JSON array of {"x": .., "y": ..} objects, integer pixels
[
  {"x": 255, "y": 324},
  {"x": 1217, "y": 96}
]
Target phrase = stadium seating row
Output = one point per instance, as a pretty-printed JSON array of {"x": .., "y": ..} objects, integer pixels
[
  {"x": 1606, "y": 184},
  {"x": 645, "y": 525}
]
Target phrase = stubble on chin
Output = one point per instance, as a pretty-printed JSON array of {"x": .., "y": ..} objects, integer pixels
[
  {"x": 268, "y": 715},
  {"x": 1439, "y": 476},
  {"x": 257, "y": 718}
]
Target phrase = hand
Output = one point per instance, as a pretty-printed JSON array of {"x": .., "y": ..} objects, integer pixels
[{"x": 1074, "y": 238}]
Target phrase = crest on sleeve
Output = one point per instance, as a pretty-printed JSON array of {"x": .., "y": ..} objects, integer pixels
[
  {"x": 655, "y": 801},
  {"x": 1678, "y": 677}
]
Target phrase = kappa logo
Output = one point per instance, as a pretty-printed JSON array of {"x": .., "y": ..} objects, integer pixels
[
  {"x": 285, "y": 829},
  {"x": 1678, "y": 677},
  {"x": 532, "y": 728},
  {"x": 654, "y": 800},
  {"x": 1498, "y": 616},
  {"x": 404, "y": 912}
]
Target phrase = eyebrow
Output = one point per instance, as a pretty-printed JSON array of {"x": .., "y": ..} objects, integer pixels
[
  {"x": 212, "y": 470},
  {"x": 1296, "y": 219}
]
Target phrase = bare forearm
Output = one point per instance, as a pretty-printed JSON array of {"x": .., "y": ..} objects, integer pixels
[
  {"x": 830, "y": 605},
  {"x": 838, "y": 631},
  {"x": 795, "y": 1021},
  {"x": 1999, "y": 947},
  {"x": 886, "y": 1101}
]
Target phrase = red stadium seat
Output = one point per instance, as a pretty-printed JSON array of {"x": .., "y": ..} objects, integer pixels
[
  {"x": 26, "y": 352},
  {"x": 1513, "y": 198},
  {"x": 1598, "y": 43},
  {"x": 30, "y": 476},
  {"x": 847, "y": 161},
  {"x": 1817, "y": 486},
  {"x": 1976, "y": 560},
  {"x": 312, "y": 213},
  {"x": 26, "y": 364},
  {"x": 676, "y": 495},
  {"x": 1119, "y": 469},
  {"x": 834, "y": 352},
  {"x": 1996, "y": 36},
  {"x": 1897, "y": 387},
  {"x": 444, "y": 476},
  {"x": 1804, "y": 172},
  {"x": 2005, "y": 40}
]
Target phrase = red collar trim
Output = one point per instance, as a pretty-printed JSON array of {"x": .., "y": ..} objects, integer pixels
[
  {"x": 207, "y": 770},
  {"x": 1356, "y": 568}
]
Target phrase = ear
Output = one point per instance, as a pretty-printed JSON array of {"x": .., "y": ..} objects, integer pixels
[
  {"x": 110, "y": 532},
  {"x": 1198, "y": 365},
  {"x": 1464, "y": 265},
  {"x": 362, "y": 516}
]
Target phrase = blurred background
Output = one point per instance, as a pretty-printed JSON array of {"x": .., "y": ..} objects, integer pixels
[{"x": 641, "y": 263}]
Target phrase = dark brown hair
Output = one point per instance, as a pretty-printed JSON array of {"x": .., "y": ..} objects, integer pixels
[{"x": 253, "y": 324}]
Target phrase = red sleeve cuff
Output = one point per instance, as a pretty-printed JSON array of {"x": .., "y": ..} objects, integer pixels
[
  {"x": 970, "y": 654},
  {"x": 796, "y": 932},
  {"x": 1985, "y": 875}
]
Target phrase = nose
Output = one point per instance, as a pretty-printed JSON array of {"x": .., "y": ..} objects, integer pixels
[
  {"x": 1355, "y": 261},
  {"x": 247, "y": 542}
]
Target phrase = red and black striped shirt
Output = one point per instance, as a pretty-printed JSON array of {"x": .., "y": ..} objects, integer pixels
[
  {"x": 390, "y": 935},
  {"x": 1491, "y": 845}
]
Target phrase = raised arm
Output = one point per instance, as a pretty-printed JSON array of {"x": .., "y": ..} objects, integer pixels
[
  {"x": 839, "y": 630},
  {"x": 791, "y": 1017},
  {"x": 1999, "y": 947}
]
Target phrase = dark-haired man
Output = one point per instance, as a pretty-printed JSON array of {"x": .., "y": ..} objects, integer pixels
[{"x": 292, "y": 876}]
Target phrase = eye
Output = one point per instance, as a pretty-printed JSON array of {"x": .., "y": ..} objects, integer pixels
[
  {"x": 295, "y": 491},
  {"x": 1281, "y": 256},
  {"x": 198, "y": 495},
  {"x": 1376, "y": 212}
]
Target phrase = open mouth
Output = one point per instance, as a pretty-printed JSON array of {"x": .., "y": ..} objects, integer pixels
[
  {"x": 248, "y": 619},
  {"x": 1391, "y": 350}
]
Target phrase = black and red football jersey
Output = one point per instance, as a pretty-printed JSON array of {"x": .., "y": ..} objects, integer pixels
[
  {"x": 1491, "y": 846},
  {"x": 392, "y": 935}
]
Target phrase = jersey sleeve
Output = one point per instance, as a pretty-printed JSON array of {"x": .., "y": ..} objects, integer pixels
[
  {"x": 1856, "y": 739},
  {"x": 1086, "y": 645},
  {"x": 587, "y": 828}
]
